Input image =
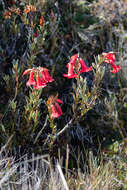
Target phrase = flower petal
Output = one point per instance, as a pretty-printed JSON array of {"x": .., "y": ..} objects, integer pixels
[
  {"x": 84, "y": 68},
  {"x": 27, "y": 71},
  {"x": 74, "y": 57},
  {"x": 70, "y": 76},
  {"x": 56, "y": 112},
  {"x": 59, "y": 101},
  {"x": 115, "y": 69},
  {"x": 31, "y": 80},
  {"x": 47, "y": 76},
  {"x": 59, "y": 109},
  {"x": 39, "y": 83}
]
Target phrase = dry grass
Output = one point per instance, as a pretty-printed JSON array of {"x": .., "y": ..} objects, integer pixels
[{"x": 38, "y": 172}]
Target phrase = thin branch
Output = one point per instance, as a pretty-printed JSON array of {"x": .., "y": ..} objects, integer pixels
[
  {"x": 60, "y": 132},
  {"x": 65, "y": 128},
  {"x": 38, "y": 135},
  {"x": 4, "y": 147}
]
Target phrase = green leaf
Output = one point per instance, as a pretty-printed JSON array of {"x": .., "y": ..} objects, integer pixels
[{"x": 3, "y": 128}]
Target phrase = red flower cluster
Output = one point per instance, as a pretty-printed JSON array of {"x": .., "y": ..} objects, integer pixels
[
  {"x": 110, "y": 58},
  {"x": 54, "y": 107},
  {"x": 42, "y": 77},
  {"x": 76, "y": 66}
]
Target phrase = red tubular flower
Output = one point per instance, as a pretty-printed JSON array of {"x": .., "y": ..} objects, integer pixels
[
  {"x": 74, "y": 58},
  {"x": 75, "y": 64},
  {"x": 31, "y": 80},
  {"x": 59, "y": 101},
  {"x": 39, "y": 84},
  {"x": 70, "y": 67},
  {"x": 70, "y": 71},
  {"x": 42, "y": 77},
  {"x": 54, "y": 107},
  {"x": 46, "y": 76},
  {"x": 27, "y": 71},
  {"x": 59, "y": 109},
  {"x": 84, "y": 68},
  {"x": 115, "y": 69},
  {"x": 56, "y": 111},
  {"x": 110, "y": 58}
]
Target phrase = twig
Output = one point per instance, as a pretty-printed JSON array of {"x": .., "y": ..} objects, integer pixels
[
  {"x": 65, "y": 128},
  {"x": 60, "y": 132},
  {"x": 4, "y": 147},
  {"x": 41, "y": 130}
]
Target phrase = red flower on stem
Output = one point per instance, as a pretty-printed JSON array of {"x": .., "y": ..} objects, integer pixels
[
  {"x": 115, "y": 68},
  {"x": 31, "y": 80},
  {"x": 27, "y": 71},
  {"x": 84, "y": 68},
  {"x": 70, "y": 71},
  {"x": 54, "y": 107},
  {"x": 74, "y": 58},
  {"x": 110, "y": 58},
  {"x": 56, "y": 111},
  {"x": 76, "y": 64},
  {"x": 39, "y": 84},
  {"x": 47, "y": 76},
  {"x": 42, "y": 77}
]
